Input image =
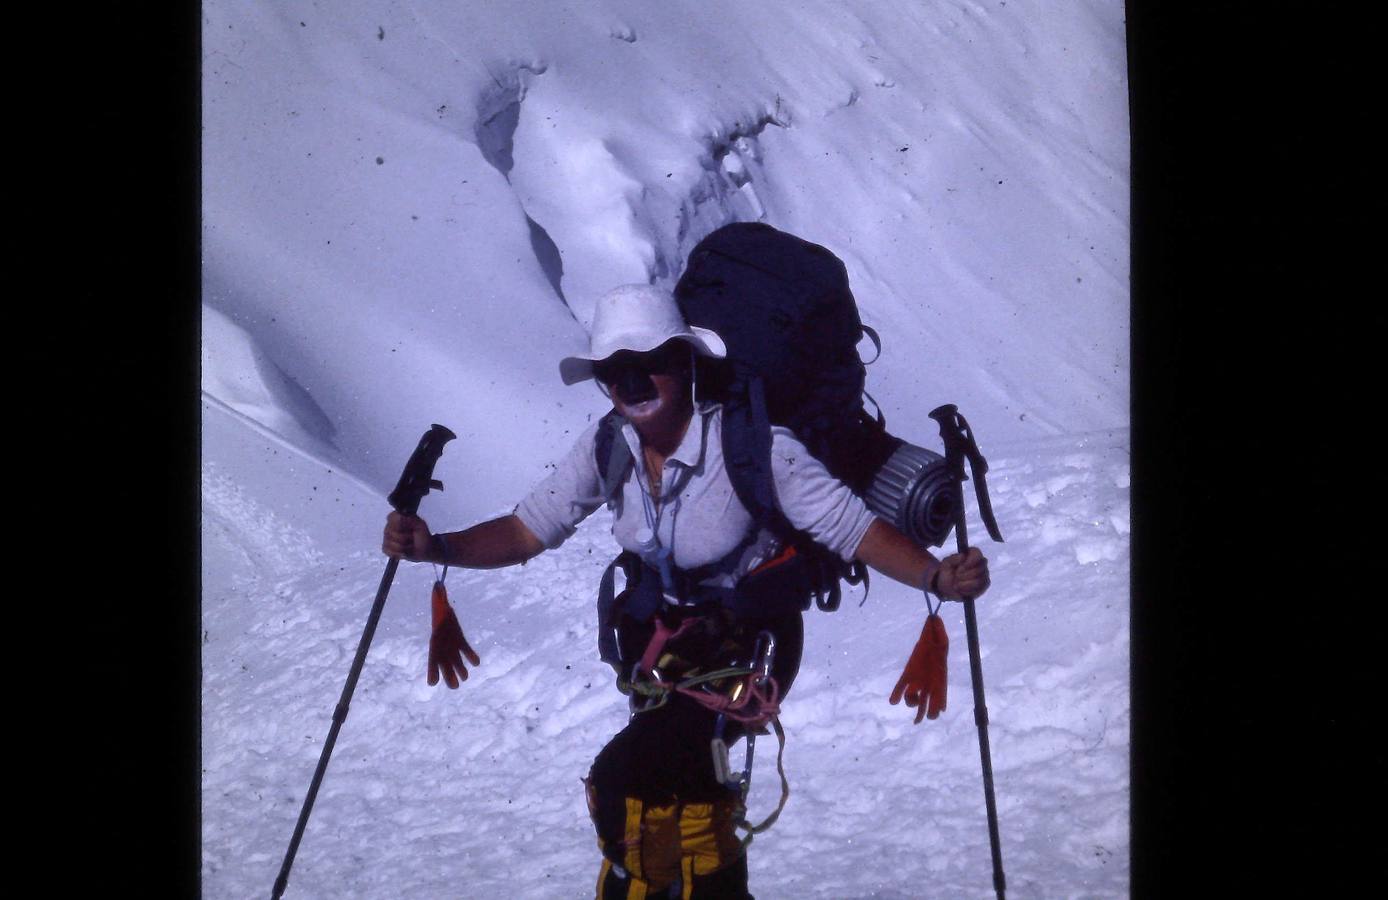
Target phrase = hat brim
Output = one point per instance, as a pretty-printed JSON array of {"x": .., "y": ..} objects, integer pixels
[{"x": 573, "y": 369}]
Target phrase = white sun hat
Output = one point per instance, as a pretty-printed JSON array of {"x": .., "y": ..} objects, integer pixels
[{"x": 637, "y": 317}]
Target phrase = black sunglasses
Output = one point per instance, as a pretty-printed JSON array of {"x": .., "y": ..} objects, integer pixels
[{"x": 668, "y": 357}]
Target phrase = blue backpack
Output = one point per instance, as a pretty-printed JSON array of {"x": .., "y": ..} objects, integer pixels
[{"x": 784, "y": 309}]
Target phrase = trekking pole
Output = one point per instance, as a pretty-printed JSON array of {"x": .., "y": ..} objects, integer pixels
[
  {"x": 960, "y": 445},
  {"x": 414, "y": 483}
]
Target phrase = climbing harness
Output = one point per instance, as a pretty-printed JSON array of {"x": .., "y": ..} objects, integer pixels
[{"x": 747, "y": 695}]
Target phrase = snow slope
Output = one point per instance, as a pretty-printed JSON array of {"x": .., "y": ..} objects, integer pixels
[
  {"x": 474, "y": 792},
  {"x": 408, "y": 212}
]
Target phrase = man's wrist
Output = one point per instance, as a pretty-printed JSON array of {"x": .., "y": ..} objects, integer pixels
[
  {"x": 932, "y": 581},
  {"x": 438, "y": 549}
]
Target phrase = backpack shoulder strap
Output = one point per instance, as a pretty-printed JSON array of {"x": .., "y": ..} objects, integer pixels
[
  {"x": 747, "y": 454},
  {"x": 613, "y": 458},
  {"x": 612, "y": 454}
]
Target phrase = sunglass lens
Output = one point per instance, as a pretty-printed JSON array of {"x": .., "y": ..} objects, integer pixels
[{"x": 652, "y": 362}]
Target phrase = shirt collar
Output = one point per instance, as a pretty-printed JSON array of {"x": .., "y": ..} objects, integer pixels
[{"x": 690, "y": 451}]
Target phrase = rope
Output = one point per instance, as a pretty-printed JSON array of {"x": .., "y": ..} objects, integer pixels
[
  {"x": 741, "y": 811},
  {"x": 764, "y": 701},
  {"x": 767, "y": 702}
]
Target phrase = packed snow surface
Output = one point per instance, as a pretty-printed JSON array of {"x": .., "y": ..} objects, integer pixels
[{"x": 409, "y": 210}]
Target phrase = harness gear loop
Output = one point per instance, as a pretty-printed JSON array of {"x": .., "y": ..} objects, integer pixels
[{"x": 654, "y": 688}]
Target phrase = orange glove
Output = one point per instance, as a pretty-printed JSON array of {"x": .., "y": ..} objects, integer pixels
[
  {"x": 447, "y": 646},
  {"x": 923, "y": 681}
]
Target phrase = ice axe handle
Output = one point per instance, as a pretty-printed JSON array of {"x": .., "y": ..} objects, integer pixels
[{"x": 418, "y": 476}]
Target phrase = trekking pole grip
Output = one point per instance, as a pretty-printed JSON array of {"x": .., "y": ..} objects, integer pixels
[{"x": 418, "y": 476}]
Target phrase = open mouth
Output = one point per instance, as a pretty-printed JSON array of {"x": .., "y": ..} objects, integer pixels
[
  {"x": 640, "y": 410},
  {"x": 636, "y": 391}
]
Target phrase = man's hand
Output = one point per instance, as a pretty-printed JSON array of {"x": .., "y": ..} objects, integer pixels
[
  {"x": 962, "y": 576},
  {"x": 447, "y": 646},
  {"x": 406, "y": 537}
]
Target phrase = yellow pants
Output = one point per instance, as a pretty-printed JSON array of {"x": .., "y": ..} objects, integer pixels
[{"x": 663, "y": 844}]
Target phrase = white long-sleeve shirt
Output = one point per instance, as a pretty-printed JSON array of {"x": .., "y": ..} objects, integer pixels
[{"x": 700, "y": 517}]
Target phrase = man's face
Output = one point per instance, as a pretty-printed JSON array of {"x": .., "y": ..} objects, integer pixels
[{"x": 644, "y": 385}]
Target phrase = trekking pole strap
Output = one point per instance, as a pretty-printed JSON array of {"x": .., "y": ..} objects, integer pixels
[
  {"x": 979, "y": 467},
  {"x": 960, "y": 446}
]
